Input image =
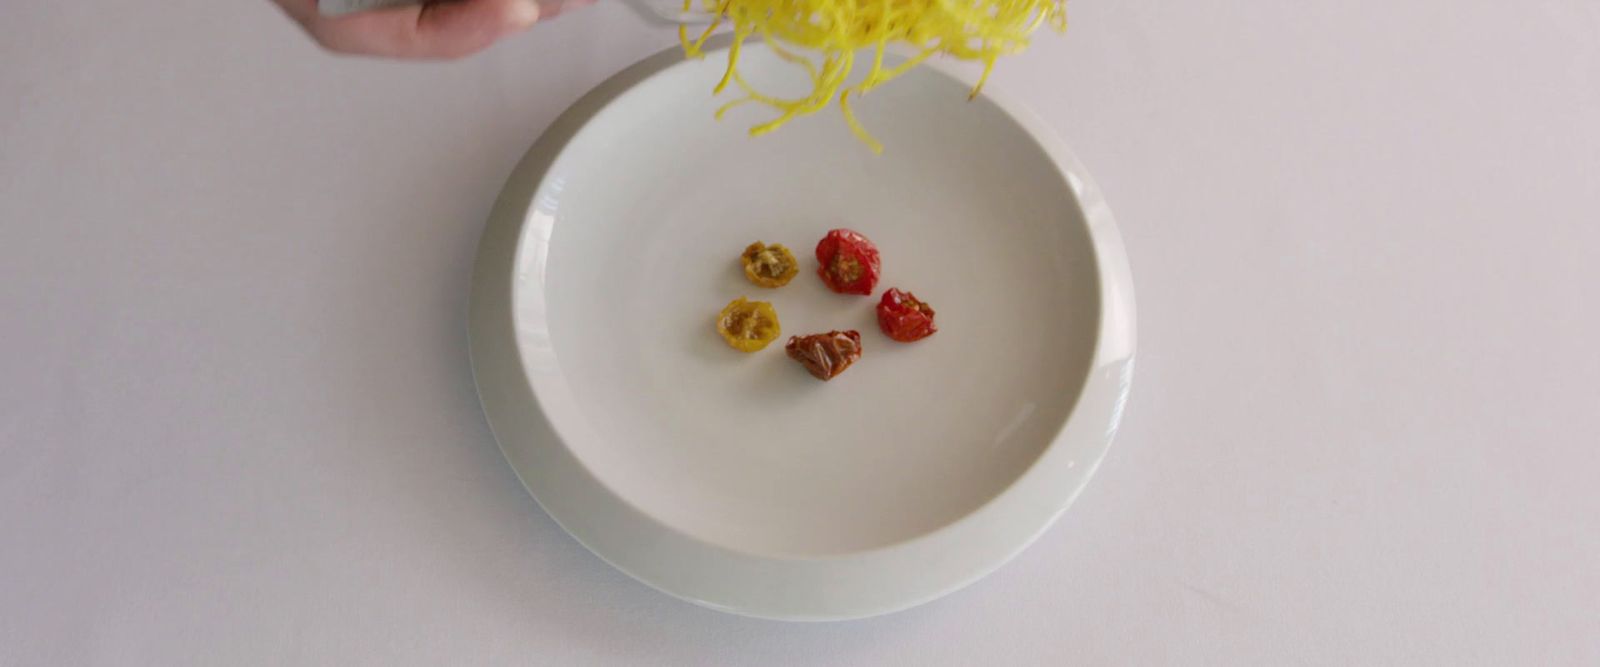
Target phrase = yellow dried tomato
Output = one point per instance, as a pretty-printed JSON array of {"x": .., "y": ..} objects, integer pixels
[
  {"x": 769, "y": 265},
  {"x": 748, "y": 325}
]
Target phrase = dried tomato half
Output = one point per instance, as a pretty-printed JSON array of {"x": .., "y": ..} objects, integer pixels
[
  {"x": 849, "y": 262},
  {"x": 748, "y": 325},
  {"x": 904, "y": 318},
  {"x": 769, "y": 265},
  {"x": 825, "y": 355}
]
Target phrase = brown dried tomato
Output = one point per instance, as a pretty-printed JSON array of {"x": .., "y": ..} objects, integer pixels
[{"x": 825, "y": 355}]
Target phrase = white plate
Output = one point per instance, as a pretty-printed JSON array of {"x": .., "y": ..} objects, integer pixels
[{"x": 737, "y": 481}]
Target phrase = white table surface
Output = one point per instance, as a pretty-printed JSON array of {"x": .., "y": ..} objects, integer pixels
[{"x": 237, "y": 423}]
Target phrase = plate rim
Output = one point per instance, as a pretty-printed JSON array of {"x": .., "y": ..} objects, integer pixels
[{"x": 787, "y": 588}]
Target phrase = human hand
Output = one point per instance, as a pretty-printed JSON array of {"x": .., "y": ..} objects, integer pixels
[{"x": 434, "y": 30}]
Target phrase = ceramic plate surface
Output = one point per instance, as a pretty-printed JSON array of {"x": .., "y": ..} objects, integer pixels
[{"x": 738, "y": 481}]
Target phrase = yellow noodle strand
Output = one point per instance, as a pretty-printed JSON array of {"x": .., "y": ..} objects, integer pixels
[
  {"x": 855, "y": 125},
  {"x": 975, "y": 30}
]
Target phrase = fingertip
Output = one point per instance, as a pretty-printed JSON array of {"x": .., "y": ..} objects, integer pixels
[
  {"x": 554, "y": 8},
  {"x": 523, "y": 13}
]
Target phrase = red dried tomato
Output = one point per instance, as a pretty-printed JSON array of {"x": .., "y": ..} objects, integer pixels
[
  {"x": 849, "y": 262},
  {"x": 904, "y": 318},
  {"x": 825, "y": 355}
]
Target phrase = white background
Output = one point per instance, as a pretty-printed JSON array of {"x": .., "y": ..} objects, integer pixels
[{"x": 237, "y": 423}]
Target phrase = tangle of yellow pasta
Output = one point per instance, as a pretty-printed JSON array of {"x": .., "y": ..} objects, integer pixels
[{"x": 976, "y": 30}]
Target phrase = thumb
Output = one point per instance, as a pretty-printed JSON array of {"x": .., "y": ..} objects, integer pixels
[
  {"x": 436, "y": 30},
  {"x": 460, "y": 28}
]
